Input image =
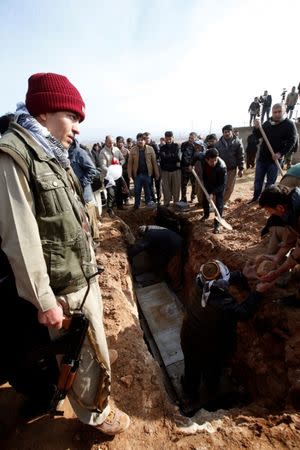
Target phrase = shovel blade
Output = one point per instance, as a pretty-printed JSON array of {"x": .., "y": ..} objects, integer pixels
[{"x": 223, "y": 223}]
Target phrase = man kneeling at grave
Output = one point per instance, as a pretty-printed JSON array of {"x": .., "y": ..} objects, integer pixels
[
  {"x": 209, "y": 329},
  {"x": 164, "y": 249}
]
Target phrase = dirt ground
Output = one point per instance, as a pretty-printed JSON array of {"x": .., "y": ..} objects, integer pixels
[{"x": 268, "y": 356}]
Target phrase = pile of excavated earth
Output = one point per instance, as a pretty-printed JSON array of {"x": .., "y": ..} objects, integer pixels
[{"x": 267, "y": 358}]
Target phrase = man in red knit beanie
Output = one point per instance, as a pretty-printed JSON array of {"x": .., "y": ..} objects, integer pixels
[{"x": 46, "y": 251}]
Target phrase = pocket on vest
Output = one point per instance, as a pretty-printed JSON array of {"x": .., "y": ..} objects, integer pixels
[{"x": 53, "y": 196}]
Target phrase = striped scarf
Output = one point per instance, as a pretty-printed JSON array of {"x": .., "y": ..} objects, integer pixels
[{"x": 51, "y": 146}]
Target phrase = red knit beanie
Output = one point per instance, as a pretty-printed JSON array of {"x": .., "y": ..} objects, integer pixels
[{"x": 50, "y": 92}]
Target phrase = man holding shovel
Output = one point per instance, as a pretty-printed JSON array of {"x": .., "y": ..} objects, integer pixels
[
  {"x": 280, "y": 135},
  {"x": 214, "y": 179}
]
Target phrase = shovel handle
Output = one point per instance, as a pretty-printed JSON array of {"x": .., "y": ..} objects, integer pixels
[
  {"x": 211, "y": 202},
  {"x": 270, "y": 148}
]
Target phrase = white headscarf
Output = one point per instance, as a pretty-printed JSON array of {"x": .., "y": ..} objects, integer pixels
[{"x": 207, "y": 284}]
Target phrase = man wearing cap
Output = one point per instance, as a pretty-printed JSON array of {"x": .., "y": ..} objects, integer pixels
[
  {"x": 46, "y": 238},
  {"x": 209, "y": 329},
  {"x": 231, "y": 150}
]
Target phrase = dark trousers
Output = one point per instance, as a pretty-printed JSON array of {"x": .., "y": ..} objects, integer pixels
[
  {"x": 185, "y": 178},
  {"x": 142, "y": 181},
  {"x": 264, "y": 169},
  {"x": 157, "y": 188},
  {"x": 114, "y": 194},
  {"x": 219, "y": 203},
  {"x": 265, "y": 110},
  {"x": 251, "y": 155},
  {"x": 252, "y": 118},
  {"x": 205, "y": 371},
  {"x": 20, "y": 337},
  {"x": 127, "y": 182}
]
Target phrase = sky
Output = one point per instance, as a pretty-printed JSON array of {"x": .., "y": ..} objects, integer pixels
[{"x": 155, "y": 65}]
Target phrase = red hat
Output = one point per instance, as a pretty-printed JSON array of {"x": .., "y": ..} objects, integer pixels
[{"x": 50, "y": 92}]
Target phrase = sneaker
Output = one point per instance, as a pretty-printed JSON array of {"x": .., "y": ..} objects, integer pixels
[
  {"x": 151, "y": 205},
  {"x": 116, "y": 422},
  {"x": 113, "y": 355}
]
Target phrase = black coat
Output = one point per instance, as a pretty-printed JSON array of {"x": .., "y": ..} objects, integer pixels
[
  {"x": 232, "y": 153},
  {"x": 211, "y": 332},
  {"x": 216, "y": 181},
  {"x": 187, "y": 154},
  {"x": 169, "y": 157},
  {"x": 282, "y": 136},
  {"x": 160, "y": 243}
]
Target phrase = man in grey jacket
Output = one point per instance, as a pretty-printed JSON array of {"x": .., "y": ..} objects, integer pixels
[{"x": 231, "y": 150}]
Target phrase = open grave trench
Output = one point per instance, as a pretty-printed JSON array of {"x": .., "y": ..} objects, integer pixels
[{"x": 267, "y": 361}]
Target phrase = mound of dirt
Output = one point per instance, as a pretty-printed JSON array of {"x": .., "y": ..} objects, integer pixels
[{"x": 267, "y": 359}]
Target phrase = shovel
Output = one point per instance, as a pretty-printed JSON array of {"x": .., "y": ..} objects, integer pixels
[
  {"x": 270, "y": 148},
  {"x": 210, "y": 201}
]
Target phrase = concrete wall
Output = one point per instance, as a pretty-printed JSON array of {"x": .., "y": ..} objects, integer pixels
[{"x": 245, "y": 131}]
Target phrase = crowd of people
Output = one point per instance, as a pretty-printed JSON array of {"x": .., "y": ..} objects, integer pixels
[
  {"x": 52, "y": 192},
  {"x": 261, "y": 106}
]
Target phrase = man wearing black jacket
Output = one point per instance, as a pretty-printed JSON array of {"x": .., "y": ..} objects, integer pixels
[
  {"x": 282, "y": 134},
  {"x": 231, "y": 150},
  {"x": 214, "y": 174},
  {"x": 170, "y": 169},
  {"x": 266, "y": 101},
  {"x": 187, "y": 157},
  {"x": 209, "y": 329}
]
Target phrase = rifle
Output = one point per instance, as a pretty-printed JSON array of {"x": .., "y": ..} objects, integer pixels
[{"x": 72, "y": 341}]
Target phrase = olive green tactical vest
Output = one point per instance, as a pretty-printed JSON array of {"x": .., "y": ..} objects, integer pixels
[{"x": 58, "y": 213}]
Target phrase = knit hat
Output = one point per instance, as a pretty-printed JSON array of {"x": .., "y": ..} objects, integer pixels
[{"x": 50, "y": 92}]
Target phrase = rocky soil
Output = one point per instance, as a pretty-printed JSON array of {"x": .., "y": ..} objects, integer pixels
[{"x": 267, "y": 360}]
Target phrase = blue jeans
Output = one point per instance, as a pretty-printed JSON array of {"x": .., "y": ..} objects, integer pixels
[
  {"x": 141, "y": 181},
  {"x": 263, "y": 169}
]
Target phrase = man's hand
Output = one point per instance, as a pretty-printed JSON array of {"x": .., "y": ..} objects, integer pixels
[
  {"x": 52, "y": 318},
  {"x": 240, "y": 173},
  {"x": 276, "y": 156},
  {"x": 256, "y": 123},
  {"x": 271, "y": 276},
  {"x": 262, "y": 258},
  {"x": 263, "y": 287}
]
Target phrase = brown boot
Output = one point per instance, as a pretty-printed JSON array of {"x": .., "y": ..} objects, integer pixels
[{"x": 116, "y": 422}]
